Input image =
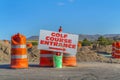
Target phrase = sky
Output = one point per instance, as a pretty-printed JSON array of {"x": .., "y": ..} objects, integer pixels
[{"x": 28, "y": 17}]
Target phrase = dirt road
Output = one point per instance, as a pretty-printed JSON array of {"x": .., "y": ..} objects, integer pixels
[{"x": 84, "y": 71}]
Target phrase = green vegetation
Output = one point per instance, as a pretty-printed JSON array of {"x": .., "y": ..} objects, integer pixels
[
  {"x": 86, "y": 42},
  {"x": 34, "y": 42},
  {"x": 104, "y": 41},
  {"x": 101, "y": 41}
]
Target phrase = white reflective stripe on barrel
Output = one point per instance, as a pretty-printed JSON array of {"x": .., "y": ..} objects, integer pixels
[
  {"x": 18, "y": 56},
  {"x": 46, "y": 55},
  {"x": 18, "y": 46},
  {"x": 116, "y": 53},
  {"x": 117, "y": 48}
]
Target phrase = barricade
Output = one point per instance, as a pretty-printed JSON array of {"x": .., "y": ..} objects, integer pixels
[
  {"x": 69, "y": 60},
  {"x": 18, "y": 51},
  {"x": 46, "y": 58},
  {"x": 117, "y": 50}
]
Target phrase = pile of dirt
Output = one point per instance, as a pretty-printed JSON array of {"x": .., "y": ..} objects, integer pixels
[
  {"x": 4, "y": 51},
  {"x": 33, "y": 54},
  {"x": 86, "y": 54},
  {"x": 104, "y": 49}
]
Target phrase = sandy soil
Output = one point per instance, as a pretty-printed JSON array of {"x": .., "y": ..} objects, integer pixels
[{"x": 83, "y": 71}]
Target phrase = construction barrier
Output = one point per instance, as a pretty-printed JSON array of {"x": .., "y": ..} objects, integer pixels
[
  {"x": 116, "y": 50},
  {"x": 69, "y": 60},
  {"x": 18, "y": 52},
  {"x": 29, "y": 45},
  {"x": 55, "y": 42},
  {"x": 46, "y": 58},
  {"x": 79, "y": 44}
]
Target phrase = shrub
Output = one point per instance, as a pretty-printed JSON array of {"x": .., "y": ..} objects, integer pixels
[
  {"x": 34, "y": 43},
  {"x": 104, "y": 41},
  {"x": 86, "y": 42}
]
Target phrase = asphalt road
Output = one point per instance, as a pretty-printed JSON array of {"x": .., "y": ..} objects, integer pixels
[{"x": 84, "y": 71}]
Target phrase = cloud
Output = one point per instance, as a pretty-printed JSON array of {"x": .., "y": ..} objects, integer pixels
[
  {"x": 71, "y": 1},
  {"x": 60, "y": 3}
]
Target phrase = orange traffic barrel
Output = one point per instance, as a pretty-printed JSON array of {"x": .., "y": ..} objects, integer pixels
[
  {"x": 46, "y": 58},
  {"x": 18, "y": 51},
  {"x": 117, "y": 47},
  {"x": 29, "y": 45},
  {"x": 79, "y": 45},
  {"x": 117, "y": 50},
  {"x": 113, "y": 46},
  {"x": 69, "y": 60}
]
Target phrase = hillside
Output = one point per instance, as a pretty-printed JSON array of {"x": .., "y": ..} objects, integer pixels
[
  {"x": 33, "y": 38},
  {"x": 89, "y": 37}
]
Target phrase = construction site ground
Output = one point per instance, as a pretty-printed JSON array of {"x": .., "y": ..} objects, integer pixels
[{"x": 83, "y": 71}]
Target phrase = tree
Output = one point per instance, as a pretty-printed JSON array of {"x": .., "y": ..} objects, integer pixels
[
  {"x": 86, "y": 42},
  {"x": 109, "y": 41},
  {"x": 104, "y": 41}
]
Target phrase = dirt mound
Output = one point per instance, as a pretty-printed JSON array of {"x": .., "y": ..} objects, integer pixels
[
  {"x": 104, "y": 49},
  {"x": 4, "y": 51},
  {"x": 87, "y": 54},
  {"x": 33, "y": 54}
]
